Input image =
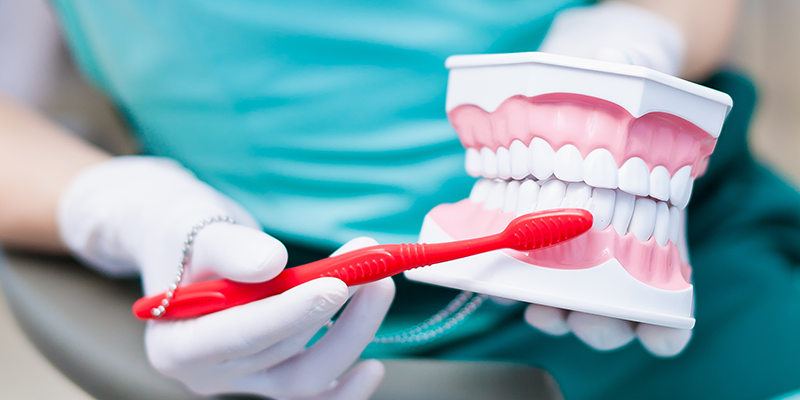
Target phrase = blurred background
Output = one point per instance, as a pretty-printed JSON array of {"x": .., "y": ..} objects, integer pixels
[{"x": 35, "y": 68}]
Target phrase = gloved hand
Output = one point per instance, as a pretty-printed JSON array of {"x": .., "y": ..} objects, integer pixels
[
  {"x": 132, "y": 214},
  {"x": 604, "y": 333},
  {"x": 617, "y": 32},
  {"x": 623, "y": 33}
]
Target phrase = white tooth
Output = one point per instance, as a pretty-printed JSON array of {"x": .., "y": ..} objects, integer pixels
[
  {"x": 634, "y": 177},
  {"x": 623, "y": 209},
  {"x": 661, "y": 230},
  {"x": 577, "y": 195},
  {"x": 683, "y": 246},
  {"x": 568, "y": 164},
  {"x": 688, "y": 196},
  {"x": 644, "y": 218},
  {"x": 489, "y": 163},
  {"x": 674, "y": 224},
  {"x": 528, "y": 196},
  {"x": 480, "y": 191},
  {"x": 602, "y": 207},
  {"x": 551, "y": 195},
  {"x": 600, "y": 169},
  {"x": 503, "y": 163},
  {"x": 496, "y": 195},
  {"x": 659, "y": 183},
  {"x": 680, "y": 187},
  {"x": 512, "y": 193},
  {"x": 473, "y": 162},
  {"x": 540, "y": 159},
  {"x": 519, "y": 160}
]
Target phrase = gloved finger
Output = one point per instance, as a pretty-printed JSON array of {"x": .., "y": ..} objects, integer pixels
[
  {"x": 662, "y": 341},
  {"x": 240, "y": 215},
  {"x": 600, "y": 333},
  {"x": 292, "y": 345},
  {"x": 357, "y": 384},
  {"x": 550, "y": 320},
  {"x": 355, "y": 244},
  {"x": 312, "y": 371},
  {"x": 244, "y": 330},
  {"x": 235, "y": 252},
  {"x": 612, "y": 54},
  {"x": 269, "y": 357}
]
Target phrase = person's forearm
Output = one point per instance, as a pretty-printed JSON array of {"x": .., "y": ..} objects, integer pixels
[
  {"x": 37, "y": 160},
  {"x": 707, "y": 27}
]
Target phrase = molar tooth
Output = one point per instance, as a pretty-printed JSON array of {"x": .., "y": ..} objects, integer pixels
[
  {"x": 659, "y": 183},
  {"x": 674, "y": 224},
  {"x": 519, "y": 160},
  {"x": 577, "y": 195},
  {"x": 473, "y": 163},
  {"x": 634, "y": 177},
  {"x": 623, "y": 209},
  {"x": 540, "y": 159},
  {"x": 644, "y": 218},
  {"x": 661, "y": 230},
  {"x": 600, "y": 169},
  {"x": 602, "y": 207},
  {"x": 480, "y": 191},
  {"x": 512, "y": 193},
  {"x": 503, "y": 163},
  {"x": 489, "y": 163},
  {"x": 680, "y": 187},
  {"x": 568, "y": 164},
  {"x": 528, "y": 196},
  {"x": 496, "y": 195},
  {"x": 551, "y": 195}
]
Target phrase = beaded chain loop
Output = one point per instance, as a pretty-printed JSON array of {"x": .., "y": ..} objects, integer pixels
[
  {"x": 436, "y": 326},
  {"x": 459, "y": 309},
  {"x": 185, "y": 257}
]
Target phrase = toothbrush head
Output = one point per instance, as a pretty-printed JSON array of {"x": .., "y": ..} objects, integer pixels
[{"x": 546, "y": 228}]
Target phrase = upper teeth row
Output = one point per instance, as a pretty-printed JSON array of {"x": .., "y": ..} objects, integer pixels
[
  {"x": 598, "y": 169},
  {"x": 641, "y": 216}
]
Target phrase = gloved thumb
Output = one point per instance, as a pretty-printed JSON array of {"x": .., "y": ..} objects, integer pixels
[{"x": 235, "y": 252}]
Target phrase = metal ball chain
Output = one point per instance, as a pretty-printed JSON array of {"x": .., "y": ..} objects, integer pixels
[
  {"x": 459, "y": 309},
  {"x": 185, "y": 257}
]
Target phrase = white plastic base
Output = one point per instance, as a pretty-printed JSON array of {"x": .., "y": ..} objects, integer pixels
[{"x": 606, "y": 289}]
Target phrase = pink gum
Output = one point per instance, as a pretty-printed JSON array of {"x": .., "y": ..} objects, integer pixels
[
  {"x": 658, "y": 266},
  {"x": 587, "y": 123}
]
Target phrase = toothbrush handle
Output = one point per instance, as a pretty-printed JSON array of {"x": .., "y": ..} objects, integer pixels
[
  {"x": 354, "y": 268},
  {"x": 368, "y": 264}
]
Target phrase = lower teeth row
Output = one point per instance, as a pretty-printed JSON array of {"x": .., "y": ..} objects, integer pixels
[{"x": 642, "y": 216}]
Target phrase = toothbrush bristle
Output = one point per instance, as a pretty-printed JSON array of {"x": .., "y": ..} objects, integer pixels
[{"x": 546, "y": 228}]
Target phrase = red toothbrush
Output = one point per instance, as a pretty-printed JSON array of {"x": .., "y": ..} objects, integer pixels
[{"x": 525, "y": 233}]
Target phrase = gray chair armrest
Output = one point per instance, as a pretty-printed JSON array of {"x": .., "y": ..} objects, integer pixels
[{"x": 82, "y": 323}]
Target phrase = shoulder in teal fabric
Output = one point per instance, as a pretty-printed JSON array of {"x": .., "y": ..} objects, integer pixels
[{"x": 324, "y": 119}]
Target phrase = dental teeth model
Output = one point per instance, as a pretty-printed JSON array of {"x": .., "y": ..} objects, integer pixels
[{"x": 545, "y": 131}]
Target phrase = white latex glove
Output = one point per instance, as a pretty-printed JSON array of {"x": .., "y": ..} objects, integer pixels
[
  {"x": 132, "y": 214},
  {"x": 623, "y": 33},
  {"x": 604, "y": 333},
  {"x": 617, "y": 32}
]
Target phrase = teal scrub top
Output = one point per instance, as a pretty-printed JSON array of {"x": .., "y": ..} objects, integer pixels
[
  {"x": 323, "y": 119},
  {"x": 326, "y": 121}
]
